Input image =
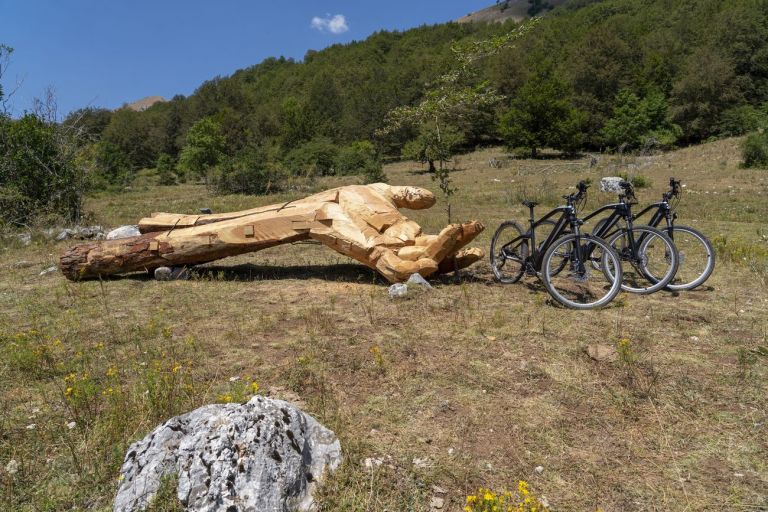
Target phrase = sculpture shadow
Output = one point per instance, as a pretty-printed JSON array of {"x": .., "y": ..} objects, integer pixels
[{"x": 340, "y": 272}]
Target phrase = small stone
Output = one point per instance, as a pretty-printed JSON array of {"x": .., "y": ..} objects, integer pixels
[
  {"x": 694, "y": 338},
  {"x": 738, "y": 475},
  {"x": 420, "y": 463},
  {"x": 418, "y": 280},
  {"x": 602, "y": 352},
  {"x": 123, "y": 232},
  {"x": 438, "y": 490},
  {"x": 371, "y": 462},
  {"x": 451, "y": 451},
  {"x": 24, "y": 238},
  {"x": 12, "y": 467},
  {"x": 398, "y": 291},
  {"x": 23, "y": 264},
  {"x": 31, "y": 426},
  {"x": 49, "y": 270},
  {"x": 71, "y": 425},
  {"x": 234, "y": 379},
  {"x": 163, "y": 273},
  {"x": 539, "y": 469},
  {"x": 436, "y": 503}
]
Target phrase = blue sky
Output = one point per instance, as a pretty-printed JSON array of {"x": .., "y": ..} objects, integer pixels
[{"x": 107, "y": 52}]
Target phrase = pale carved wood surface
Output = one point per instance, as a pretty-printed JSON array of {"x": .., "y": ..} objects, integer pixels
[{"x": 359, "y": 221}]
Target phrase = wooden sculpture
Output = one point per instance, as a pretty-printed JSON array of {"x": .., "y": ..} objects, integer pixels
[{"x": 359, "y": 221}]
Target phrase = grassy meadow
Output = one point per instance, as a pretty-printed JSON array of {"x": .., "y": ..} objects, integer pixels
[{"x": 471, "y": 385}]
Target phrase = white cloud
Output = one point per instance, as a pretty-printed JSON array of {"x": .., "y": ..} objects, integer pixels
[{"x": 336, "y": 24}]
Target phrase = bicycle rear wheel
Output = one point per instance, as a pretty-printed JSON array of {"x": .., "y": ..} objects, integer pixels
[
  {"x": 508, "y": 256},
  {"x": 651, "y": 264},
  {"x": 697, "y": 258},
  {"x": 571, "y": 280}
]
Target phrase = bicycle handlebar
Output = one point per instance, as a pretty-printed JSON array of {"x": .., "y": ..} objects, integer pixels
[{"x": 674, "y": 190}]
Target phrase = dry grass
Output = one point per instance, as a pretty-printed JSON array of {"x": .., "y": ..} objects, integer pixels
[{"x": 483, "y": 382}]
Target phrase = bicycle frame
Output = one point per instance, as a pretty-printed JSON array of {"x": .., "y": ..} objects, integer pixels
[{"x": 567, "y": 217}]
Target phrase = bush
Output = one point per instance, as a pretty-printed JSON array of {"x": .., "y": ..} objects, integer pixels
[
  {"x": 314, "y": 158},
  {"x": 113, "y": 169},
  {"x": 637, "y": 181},
  {"x": 742, "y": 120},
  {"x": 754, "y": 150},
  {"x": 250, "y": 172},
  {"x": 165, "y": 170},
  {"x": 361, "y": 158},
  {"x": 37, "y": 173}
]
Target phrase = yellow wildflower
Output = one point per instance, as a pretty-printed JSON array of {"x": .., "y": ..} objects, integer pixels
[
  {"x": 471, "y": 499},
  {"x": 522, "y": 486},
  {"x": 111, "y": 371},
  {"x": 176, "y": 368},
  {"x": 254, "y": 387}
]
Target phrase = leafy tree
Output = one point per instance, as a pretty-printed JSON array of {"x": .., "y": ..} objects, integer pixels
[
  {"x": 37, "y": 173},
  {"x": 165, "y": 170},
  {"x": 90, "y": 122},
  {"x": 743, "y": 119},
  {"x": 296, "y": 127},
  {"x": 702, "y": 92},
  {"x": 637, "y": 121},
  {"x": 113, "y": 167},
  {"x": 204, "y": 148},
  {"x": 541, "y": 115},
  {"x": 431, "y": 146}
]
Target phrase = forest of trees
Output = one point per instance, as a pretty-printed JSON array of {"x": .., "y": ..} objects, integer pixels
[{"x": 592, "y": 75}]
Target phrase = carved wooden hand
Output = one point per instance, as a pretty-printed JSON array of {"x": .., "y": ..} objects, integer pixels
[{"x": 360, "y": 221}]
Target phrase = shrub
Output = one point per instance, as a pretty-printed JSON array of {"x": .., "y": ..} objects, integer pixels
[
  {"x": 361, "y": 158},
  {"x": 637, "y": 181},
  {"x": 37, "y": 171},
  {"x": 250, "y": 172},
  {"x": 165, "y": 170},
  {"x": 754, "y": 150},
  {"x": 742, "y": 120},
  {"x": 314, "y": 158},
  {"x": 112, "y": 166}
]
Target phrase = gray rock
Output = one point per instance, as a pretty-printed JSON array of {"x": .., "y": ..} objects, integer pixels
[
  {"x": 264, "y": 455},
  {"x": 49, "y": 270},
  {"x": 417, "y": 280},
  {"x": 171, "y": 273},
  {"x": 24, "y": 238},
  {"x": 81, "y": 233},
  {"x": 398, "y": 290},
  {"x": 23, "y": 264},
  {"x": 123, "y": 232},
  {"x": 611, "y": 184},
  {"x": 65, "y": 234}
]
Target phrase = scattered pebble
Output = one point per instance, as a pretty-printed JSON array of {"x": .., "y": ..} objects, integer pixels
[
  {"x": 371, "y": 462},
  {"x": 436, "y": 503},
  {"x": 71, "y": 425},
  {"x": 48, "y": 270},
  {"x": 31, "y": 426},
  {"x": 738, "y": 475},
  {"x": 451, "y": 451},
  {"x": 12, "y": 467},
  {"x": 694, "y": 338},
  {"x": 539, "y": 469},
  {"x": 234, "y": 379},
  {"x": 420, "y": 463}
]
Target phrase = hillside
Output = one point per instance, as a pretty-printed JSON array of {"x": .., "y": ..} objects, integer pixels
[
  {"x": 144, "y": 103},
  {"x": 603, "y": 74},
  {"x": 516, "y": 10}
]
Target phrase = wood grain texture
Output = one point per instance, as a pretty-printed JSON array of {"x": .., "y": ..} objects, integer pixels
[{"x": 359, "y": 221}]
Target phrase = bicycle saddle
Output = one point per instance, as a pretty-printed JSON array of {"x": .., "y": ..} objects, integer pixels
[{"x": 530, "y": 204}]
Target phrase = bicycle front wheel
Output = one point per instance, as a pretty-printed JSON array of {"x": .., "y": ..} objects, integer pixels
[
  {"x": 649, "y": 259},
  {"x": 570, "y": 278},
  {"x": 697, "y": 258}
]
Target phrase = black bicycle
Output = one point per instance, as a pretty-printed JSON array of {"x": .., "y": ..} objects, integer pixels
[
  {"x": 649, "y": 257},
  {"x": 697, "y": 256},
  {"x": 562, "y": 260}
]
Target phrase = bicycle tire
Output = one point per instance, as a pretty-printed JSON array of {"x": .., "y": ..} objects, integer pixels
[
  {"x": 640, "y": 262},
  {"x": 516, "y": 257},
  {"x": 681, "y": 281},
  {"x": 578, "y": 276}
]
